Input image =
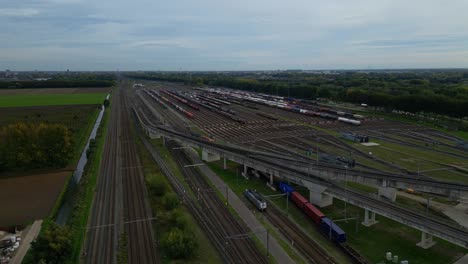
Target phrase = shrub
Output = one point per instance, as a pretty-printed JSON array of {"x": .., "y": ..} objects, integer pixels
[
  {"x": 179, "y": 243},
  {"x": 156, "y": 185},
  {"x": 170, "y": 201}
]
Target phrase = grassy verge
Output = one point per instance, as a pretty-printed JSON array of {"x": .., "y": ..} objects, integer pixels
[
  {"x": 372, "y": 242},
  {"x": 82, "y": 135},
  {"x": 206, "y": 253},
  {"x": 387, "y": 235},
  {"x": 238, "y": 184},
  {"x": 83, "y": 197}
]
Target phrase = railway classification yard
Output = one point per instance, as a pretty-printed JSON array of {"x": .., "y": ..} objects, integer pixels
[{"x": 298, "y": 148}]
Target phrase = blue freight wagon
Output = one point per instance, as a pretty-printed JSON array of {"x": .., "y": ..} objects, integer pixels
[
  {"x": 337, "y": 234},
  {"x": 286, "y": 188}
]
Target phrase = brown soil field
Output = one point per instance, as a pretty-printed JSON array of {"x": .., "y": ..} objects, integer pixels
[
  {"x": 30, "y": 197},
  {"x": 55, "y": 90}
]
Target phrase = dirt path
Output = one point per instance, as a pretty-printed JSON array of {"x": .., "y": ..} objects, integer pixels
[{"x": 26, "y": 242}]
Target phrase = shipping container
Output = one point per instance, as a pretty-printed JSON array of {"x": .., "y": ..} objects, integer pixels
[
  {"x": 286, "y": 188},
  {"x": 329, "y": 228},
  {"x": 298, "y": 199},
  {"x": 313, "y": 212}
]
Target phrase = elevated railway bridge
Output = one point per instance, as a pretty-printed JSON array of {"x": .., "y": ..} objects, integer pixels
[{"x": 321, "y": 181}]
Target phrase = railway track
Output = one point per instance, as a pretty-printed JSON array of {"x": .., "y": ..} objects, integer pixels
[
  {"x": 208, "y": 219},
  {"x": 120, "y": 186},
  {"x": 101, "y": 241},
  {"x": 242, "y": 250},
  {"x": 308, "y": 248},
  {"x": 137, "y": 212}
]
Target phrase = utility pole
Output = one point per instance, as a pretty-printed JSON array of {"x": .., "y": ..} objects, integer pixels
[
  {"x": 227, "y": 196},
  {"x": 346, "y": 192},
  {"x": 317, "y": 150}
]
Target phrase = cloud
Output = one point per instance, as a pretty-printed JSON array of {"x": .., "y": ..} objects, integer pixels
[
  {"x": 18, "y": 12},
  {"x": 223, "y": 35}
]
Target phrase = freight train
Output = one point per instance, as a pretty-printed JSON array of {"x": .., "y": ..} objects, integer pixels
[
  {"x": 325, "y": 224},
  {"x": 167, "y": 101},
  {"x": 255, "y": 198}
]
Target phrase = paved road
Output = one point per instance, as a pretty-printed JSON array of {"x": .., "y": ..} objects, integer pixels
[
  {"x": 249, "y": 218},
  {"x": 26, "y": 242}
]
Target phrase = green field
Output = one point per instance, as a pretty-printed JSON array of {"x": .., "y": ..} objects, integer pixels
[
  {"x": 17, "y": 100},
  {"x": 371, "y": 242}
]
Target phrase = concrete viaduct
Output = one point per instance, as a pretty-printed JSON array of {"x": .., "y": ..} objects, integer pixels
[{"x": 320, "y": 181}]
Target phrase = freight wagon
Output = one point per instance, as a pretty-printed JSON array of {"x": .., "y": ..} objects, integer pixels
[
  {"x": 330, "y": 229},
  {"x": 355, "y": 137}
]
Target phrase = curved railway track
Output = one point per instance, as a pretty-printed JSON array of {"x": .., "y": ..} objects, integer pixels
[
  {"x": 213, "y": 220},
  {"x": 243, "y": 250}
]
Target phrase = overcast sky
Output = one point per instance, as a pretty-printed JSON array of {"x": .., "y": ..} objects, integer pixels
[{"x": 232, "y": 35}]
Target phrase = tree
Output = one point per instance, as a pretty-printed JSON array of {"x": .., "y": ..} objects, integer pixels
[
  {"x": 170, "y": 201},
  {"x": 53, "y": 245},
  {"x": 179, "y": 243},
  {"x": 32, "y": 145}
]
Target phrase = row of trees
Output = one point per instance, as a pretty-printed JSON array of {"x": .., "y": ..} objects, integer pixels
[
  {"x": 34, "y": 145},
  {"x": 441, "y": 92},
  {"x": 178, "y": 239}
]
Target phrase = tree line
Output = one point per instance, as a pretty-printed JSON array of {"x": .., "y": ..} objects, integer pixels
[
  {"x": 34, "y": 145},
  {"x": 440, "y": 92}
]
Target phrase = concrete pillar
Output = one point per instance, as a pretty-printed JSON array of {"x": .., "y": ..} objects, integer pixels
[
  {"x": 271, "y": 179},
  {"x": 244, "y": 173},
  {"x": 389, "y": 193},
  {"x": 153, "y": 135},
  {"x": 206, "y": 156},
  {"x": 426, "y": 241},
  {"x": 317, "y": 195},
  {"x": 224, "y": 164},
  {"x": 368, "y": 221}
]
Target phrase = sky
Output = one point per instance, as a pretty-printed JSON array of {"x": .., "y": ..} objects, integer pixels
[{"x": 232, "y": 35}]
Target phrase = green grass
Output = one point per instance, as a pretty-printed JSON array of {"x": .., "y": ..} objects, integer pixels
[
  {"x": 83, "y": 197},
  {"x": 372, "y": 242},
  {"x": 51, "y": 99},
  {"x": 388, "y": 235},
  {"x": 206, "y": 252},
  {"x": 238, "y": 184}
]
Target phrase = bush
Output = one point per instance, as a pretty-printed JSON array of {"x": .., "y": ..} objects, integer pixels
[
  {"x": 170, "y": 201},
  {"x": 178, "y": 219},
  {"x": 179, "y": 243},
  {"x": 156, "y": 185},
  {"x": 53, "y": 245}
]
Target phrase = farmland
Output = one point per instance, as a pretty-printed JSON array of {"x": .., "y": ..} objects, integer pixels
[
  {"x": 66, "y": 106},
  {"x": 24, "y": 198},
  {"x": 16, "y": 100}
]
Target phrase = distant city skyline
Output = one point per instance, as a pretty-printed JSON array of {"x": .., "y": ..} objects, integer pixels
[{"x": 232, "y": 35}]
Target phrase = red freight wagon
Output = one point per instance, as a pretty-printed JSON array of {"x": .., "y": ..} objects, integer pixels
[
  {"x": 299, "y": 199},
  {"x": 313, "y": 212}
]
